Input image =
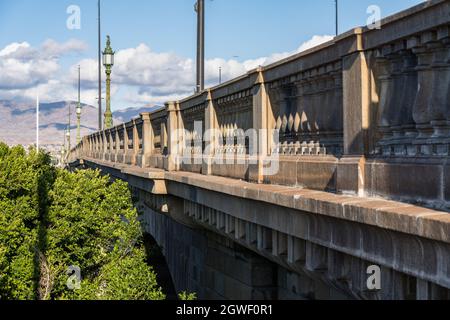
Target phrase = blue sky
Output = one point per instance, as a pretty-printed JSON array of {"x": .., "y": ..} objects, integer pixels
[{"x": 165, "y": 30}]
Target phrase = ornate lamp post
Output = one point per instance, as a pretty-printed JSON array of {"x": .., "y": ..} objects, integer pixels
[
  {"x": 78, "y": 110},
  {"x": 68, "y": 140},
  {"x": 63, "y": 149},
  {"x": 63, "y": 153},
  {"x": 108, "y": 62}
]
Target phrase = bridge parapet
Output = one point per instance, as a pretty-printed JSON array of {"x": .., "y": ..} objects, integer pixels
[{"x": 357, "y": 114}]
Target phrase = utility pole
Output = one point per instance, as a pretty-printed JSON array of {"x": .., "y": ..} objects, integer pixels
[
  {"x": 68, "y": 131},
  {"x": 37, "y": 123},
  {"x": 337, "y": 16},
  {"x": 200, "y": 9},
  {"x": 63, "y": 151},
  {"x": 100, "y": 113}
]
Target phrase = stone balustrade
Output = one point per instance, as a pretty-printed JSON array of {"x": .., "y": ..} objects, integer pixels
[{"x": 365, "y": 113}]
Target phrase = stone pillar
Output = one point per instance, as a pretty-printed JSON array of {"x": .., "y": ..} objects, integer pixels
[
  {"x": 90, "y": 147},
  {"x": 171, "y": 162},
  {"x": 104, "y": 145},
  {"x": 125, "y": 143},
  {"x": 117, "y": 142},
  {"x": 147, "y": 139},
  {"x": 83, "y": 147},
  {"x": 261, "y": 107},
  {"x": 211, "y": 135},
  {"x": 97, "y": 146},
  {"x": 111, "y": 145},
  {"x": 164, "y": 139},
  {"x": 93, "y": 149},
  {"x": 135, "y": 143},
  {"x": 356, "y": 103},
  {"x": 87, "y": 147}
]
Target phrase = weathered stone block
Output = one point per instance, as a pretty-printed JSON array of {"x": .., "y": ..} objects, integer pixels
[
  {"x": 317, "y": 175},
  {"x": 416, "y": 182},
  {"x": 287, "y": 174},
  {"x": 348, "y": 176}
]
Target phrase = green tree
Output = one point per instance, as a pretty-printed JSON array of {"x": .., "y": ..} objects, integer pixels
[
  {"x": 93, "y": 225},
  {"x": 53, "y": 219},
  {"x": 24, "y": 181}
]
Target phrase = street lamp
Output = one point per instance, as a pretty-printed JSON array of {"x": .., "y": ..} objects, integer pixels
[
  {"x": 200, "y": 9},
  {"x": 108, "y": 62},
  {"x": 68, "y": 139},
  {"x": 337, "y": 16},
  {"x": 63, "y": 151},
  {"x": 78, "y": 110}
]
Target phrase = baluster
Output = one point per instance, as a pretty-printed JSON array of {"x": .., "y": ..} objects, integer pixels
[
  {"x": 421, "y": 109},
  {"x": 440, "y": 102}
]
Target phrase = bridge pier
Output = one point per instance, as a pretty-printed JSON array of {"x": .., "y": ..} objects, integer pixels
[{"x": 210, "y": 265}]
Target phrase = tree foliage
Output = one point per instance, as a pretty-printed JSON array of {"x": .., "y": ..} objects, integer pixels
[
  {"x": 53, "y": 219},
  {"x": 24, "y": 179}
]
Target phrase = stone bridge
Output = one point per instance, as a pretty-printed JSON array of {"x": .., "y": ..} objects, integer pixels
[{"x": 363, "y": 174}]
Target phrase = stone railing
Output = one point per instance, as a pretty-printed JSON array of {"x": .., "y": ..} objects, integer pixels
[{"x": 365, "y": 113}]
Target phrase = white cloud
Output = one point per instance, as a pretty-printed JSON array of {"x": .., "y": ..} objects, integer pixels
[
  {"x": 13, "y": 47},
  {"x": 140, "y": 76},
  {"x": 313, "y": 42},
  {"x": 159, "y": 77},
  {"x": 52, "y": 48},
  {"x": 23, "y": 67}
]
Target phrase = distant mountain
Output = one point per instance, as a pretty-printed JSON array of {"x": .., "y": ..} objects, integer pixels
[
  {"x": 131, "y": 113},
  {"x": 18, "y": 121}
]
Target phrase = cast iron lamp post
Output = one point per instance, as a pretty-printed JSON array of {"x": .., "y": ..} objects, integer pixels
[
  {"x": 68, "y": 139},
  {"x": 78, "y": 110},
  {"x": 108, "y": 62}
]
